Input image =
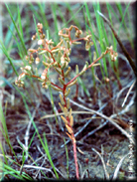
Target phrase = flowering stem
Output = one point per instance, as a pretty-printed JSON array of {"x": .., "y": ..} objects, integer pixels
[
  {"x": 87, "y": 68},
  {"x": 58, "y": 59}
]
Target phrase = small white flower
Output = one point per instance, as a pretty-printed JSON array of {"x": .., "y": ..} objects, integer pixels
[
  {"x": 43, "y": 77},
  {"x": 44, "y": 74},
  {"x": 22, "y": 68},
  {"x": 28, "y": 68},
  {"x": 113, "y": 57},
  {"x": 40, "y": 42}
]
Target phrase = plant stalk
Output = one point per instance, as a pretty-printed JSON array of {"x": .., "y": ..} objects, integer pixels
[{"x": 75, "y": 157}]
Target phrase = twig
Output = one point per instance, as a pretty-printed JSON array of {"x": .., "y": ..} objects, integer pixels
[
  {"x": 132, "y": 64},
  {"x": 43, "y": 162},
  {"x": 39, "y": 168},
  {"x": 118, "y": 167},
  {"x": 127, "y": 108},
  {"x": 26, "y": 137},
  {"x": 82, "y": 176},
  {"x": 128, "y": 93},
  {"x": 109, "y": 119},
  {"x": 122, "y": 90},
  {"x": 103, "y": 163},
  {"x": 61, "y": 114}
]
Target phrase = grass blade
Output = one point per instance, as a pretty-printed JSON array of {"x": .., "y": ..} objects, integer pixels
[
  {"x": 17, "y": 30},
  {"x": 48, "y": 155},
  {"x": 8, "y": 37},
  {"x": 8, "y": 57},
  {"x": 19, "y": 21},
  {"x": 53, "y": 8},
  {"x": 101, "y": 37},
  {"x": 4, "y": 131}
]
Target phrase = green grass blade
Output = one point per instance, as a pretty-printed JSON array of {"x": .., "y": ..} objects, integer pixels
[
  {"x": 19, "y": 21},
  {"x": 83, "y": 86},
  {"x": 8, "y": 36},
  {"x": 18, "y": 45},
  {"x": 61, "y": 15},
  {"x": 94, "y": 38},
  {"x": 2, "y": 119},
  {"x": 87, "y": 13},
  {"x": 43, "y": 16},
  {"x": 76, "y": 21},
  {"x": 35, "y": 12},
  {"x": 101, "y": 36},
  {"x": 53, "y": 8},
  {"x": 112, "y": 10},
  {"x": 119, "y": 7},
  {"x": 90, "y": 27},
  {"x": 40, "y": 14},
  {"x": 48, "y": 155},
  {"x": 4, "y": 155},
  {"x": 8, "y": 57},
  {"x": 4, "y": 130},
  {"x": 13, "y": 172},
  {"x": 73, "y": 17},
  {"x": 17, "y": 30},
  {"x": 125, "y": 23},
  {"x": 114, "y": 43}
]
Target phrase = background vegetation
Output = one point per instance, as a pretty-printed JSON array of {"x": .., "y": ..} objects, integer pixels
[{"x": 33, "y": 135}]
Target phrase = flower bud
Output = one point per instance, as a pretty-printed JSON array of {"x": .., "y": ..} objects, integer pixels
[
  {"x": 27, "y": 58},
  {"x": 87, "y": 46},
  {"x": 39, "y": 25},
  {"x": 37, "y": 60},
  {"x": 32, "y": 50},
  {"x": 78, "y": 33},
  {"x": 44, "y": 74},
  {"x": 44, "y": 85},
  {"x": 33, "y": 37}
]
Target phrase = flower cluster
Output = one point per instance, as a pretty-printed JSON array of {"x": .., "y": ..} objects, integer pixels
[
  {"x": 56, "y": 56},
  {"x": 112, "y": 53}
]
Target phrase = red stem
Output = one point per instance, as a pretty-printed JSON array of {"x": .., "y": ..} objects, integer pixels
[
  {"x": 87, "y": 68},
  {"x": 56, "y": 85},
  {"x": 75, "y": 156}
]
